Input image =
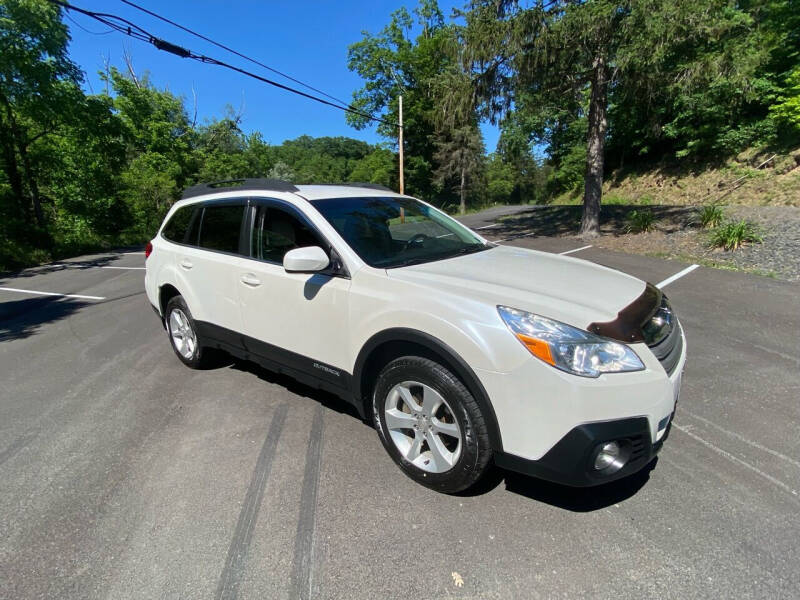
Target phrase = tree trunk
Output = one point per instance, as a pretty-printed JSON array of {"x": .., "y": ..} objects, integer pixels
[
  {"x": 12, "y": 170},
  {"x": 462, "y": 209},
  {"x": 11, "y": 166},
  {"x": 33, "y": 186},
  {"x": 18, "y": 144},
  {"x": 595, "y": 148}
]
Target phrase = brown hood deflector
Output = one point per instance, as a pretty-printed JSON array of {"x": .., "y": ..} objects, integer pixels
[{"x": 627, "y": 327}]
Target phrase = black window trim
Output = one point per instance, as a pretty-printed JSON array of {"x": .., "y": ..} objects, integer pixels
[
  {"x": 255, "y": 202},
  {"x": 199, "y": 213}
]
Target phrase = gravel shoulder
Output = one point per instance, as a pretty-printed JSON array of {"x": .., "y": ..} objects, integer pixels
[{"x": 675, "y": 235}]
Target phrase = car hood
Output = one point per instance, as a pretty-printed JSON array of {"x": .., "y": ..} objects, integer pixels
[{"x": 571, "y": 290}]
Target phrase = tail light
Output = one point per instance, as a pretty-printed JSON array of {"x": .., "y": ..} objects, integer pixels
[{"x": 148, "y": 250}]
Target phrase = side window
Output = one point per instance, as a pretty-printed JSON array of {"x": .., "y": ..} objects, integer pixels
[
  {"x": 277, "y": 231},
  {"x": 220, "y": 227},
  {"x": 175, "y": 230},
  {"x": 194, "y": 227}
]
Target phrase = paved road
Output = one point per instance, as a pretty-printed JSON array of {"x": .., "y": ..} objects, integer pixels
[{"x": 125, "y": 475}]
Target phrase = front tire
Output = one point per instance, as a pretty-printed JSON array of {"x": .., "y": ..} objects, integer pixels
[
  {"x": 182, "y": 333},
  {"x": 430, "y": 424}
]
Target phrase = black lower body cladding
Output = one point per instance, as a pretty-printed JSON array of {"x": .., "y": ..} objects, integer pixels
[{"x": 571, "y": 460}]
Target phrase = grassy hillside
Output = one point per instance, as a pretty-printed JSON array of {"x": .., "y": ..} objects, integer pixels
[{"x": 745, "y": 179}]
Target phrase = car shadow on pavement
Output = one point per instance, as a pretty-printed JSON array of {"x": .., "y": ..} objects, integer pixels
[
  {"x": 586, "y": 499},
  {"x": 22, "y": 318},
  {"x": 89, "y": 263},
  {"x": 562, "y": 496},
  {"x": 549, "y": 221},
  {"x": 326, "y": 399}
]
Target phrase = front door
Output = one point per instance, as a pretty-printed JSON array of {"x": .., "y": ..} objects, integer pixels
[{"x": 297, "y": 319}]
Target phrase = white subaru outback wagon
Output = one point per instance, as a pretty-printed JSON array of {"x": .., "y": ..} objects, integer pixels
[{"x": 460, "y": 351}]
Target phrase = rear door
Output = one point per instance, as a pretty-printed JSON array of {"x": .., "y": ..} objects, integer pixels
[
  {"x": 210, "y": 264},
  {"x": 298, "y": 319}
]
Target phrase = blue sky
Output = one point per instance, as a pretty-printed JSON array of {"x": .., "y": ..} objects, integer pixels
[{"x": 307, "y": 40}]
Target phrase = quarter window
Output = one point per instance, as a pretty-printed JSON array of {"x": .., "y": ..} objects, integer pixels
[
  {"x": 220, "y": 227},
  {"x": 175, "y": 229}
]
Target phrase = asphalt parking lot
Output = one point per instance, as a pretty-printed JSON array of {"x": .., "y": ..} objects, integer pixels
[{"x": 124, "y": 474}]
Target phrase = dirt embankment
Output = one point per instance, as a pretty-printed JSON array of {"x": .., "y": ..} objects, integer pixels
[{"x": 753, "y": 178}]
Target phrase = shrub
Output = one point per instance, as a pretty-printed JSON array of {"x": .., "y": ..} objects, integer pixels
[
  {"x": 639, "y": 221},
  {"x": 733, "y": 235},
  {"x": 709, "y": 215},
  {"x": 616, "y": 200}
]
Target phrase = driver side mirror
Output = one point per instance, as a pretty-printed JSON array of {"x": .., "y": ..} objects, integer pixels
[{"x": 311, "y": 259}]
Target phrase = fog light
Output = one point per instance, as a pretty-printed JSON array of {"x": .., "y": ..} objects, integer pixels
[{"x": 609, "y": 458}]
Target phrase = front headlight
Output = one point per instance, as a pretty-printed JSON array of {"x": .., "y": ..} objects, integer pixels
[{"x": 569, "y": 348}]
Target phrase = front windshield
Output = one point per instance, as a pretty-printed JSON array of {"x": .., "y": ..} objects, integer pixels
[{"x": 396, "y": 232}]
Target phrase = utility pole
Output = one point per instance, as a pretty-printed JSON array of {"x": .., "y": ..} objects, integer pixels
[{"x": 400, "y": 146}]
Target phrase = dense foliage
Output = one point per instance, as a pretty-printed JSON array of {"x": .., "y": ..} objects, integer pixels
[
  {"x": 596, "y": 84},
  {"x": 81, "y": 171},
  {"x": 577, "y": 87},
  {"x": 608, "y": 82}
]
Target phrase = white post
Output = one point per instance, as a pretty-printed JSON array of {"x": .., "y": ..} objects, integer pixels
[{"x": 400, "y": 146}]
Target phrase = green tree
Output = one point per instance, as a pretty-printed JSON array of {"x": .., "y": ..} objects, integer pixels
[
  {"x": 222, "y": 150},
  {"x": 393, "y": 64},
  {"x": 160, "y": 146},
  {"x": 567, "y": 56},
  {"x": 379, "y": 166},
  {"x": 500, "y": 179},
  {"x": 459, "y": 157},
  {"x": 38, "y": 89}
]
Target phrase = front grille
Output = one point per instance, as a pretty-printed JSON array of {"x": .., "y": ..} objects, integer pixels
[{"x": 637, "y": 447}]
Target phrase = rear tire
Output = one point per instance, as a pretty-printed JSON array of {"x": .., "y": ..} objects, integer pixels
[
  {"x": 430, "y": 424},
  {"x": 182, "y": 333}
]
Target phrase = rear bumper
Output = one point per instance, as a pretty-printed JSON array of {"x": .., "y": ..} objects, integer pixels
[{"x": 571, "y": 460}]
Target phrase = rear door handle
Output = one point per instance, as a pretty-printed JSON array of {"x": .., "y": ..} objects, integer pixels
[
  {"x": 186, "y": 264},
  {"x": 251, "y": 280}
]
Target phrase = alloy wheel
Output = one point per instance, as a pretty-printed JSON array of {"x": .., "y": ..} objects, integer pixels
[
  {"x": 423, "y": 427},
  {"x": 183, "y": 336}
]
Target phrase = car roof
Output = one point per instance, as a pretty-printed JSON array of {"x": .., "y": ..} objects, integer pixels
[
  {"x": 323, "y": 191},
  {"x": 309, "y": 192}
]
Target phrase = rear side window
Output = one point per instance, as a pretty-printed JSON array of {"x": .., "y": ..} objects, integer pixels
[
  {"x": 175, "y": 230},
  {"x": 220, "y": 227}
]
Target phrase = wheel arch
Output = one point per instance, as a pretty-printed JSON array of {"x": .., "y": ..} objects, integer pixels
[
  {"x": 389, "y": 344},
  {"x": 166, "y": 293}
]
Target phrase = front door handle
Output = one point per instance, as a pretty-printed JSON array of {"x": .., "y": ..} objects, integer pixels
[
  {"x": 251, "y": 280},
  {"x": 186, "y": 264}
]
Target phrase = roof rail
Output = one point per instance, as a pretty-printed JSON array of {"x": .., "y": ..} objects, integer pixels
[
  {"x": 231, "y": 185},
  {"x": 371, "y": 186}
]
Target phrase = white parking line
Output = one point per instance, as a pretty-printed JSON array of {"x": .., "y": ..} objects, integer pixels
[
  {"x": 511, "y": 239},
  {"x": 488, "y": 226},
  {"x": 35, "y": 293},
  {"x": 126, "y": 268},
  {"x": 736, "y": 459},
  {"x": 677, "y": 276},
  {"x": 576, "y": 250},
  {"x": 754, "y": 444}
]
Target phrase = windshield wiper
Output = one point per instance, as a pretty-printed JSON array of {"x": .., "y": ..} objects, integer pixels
[
  {"x": 477, "y": 247},
  {"x": 413, "y": 261},
  {"x": 472, "y": 248}
]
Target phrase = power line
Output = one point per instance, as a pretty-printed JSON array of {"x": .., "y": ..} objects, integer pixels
[
  {"x": 232, "y": 51},
  {"x": 132, "y": 30},
  {"x": 79, "y": 26}
]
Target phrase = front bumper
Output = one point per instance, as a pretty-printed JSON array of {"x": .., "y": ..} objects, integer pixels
[
  {"x": 571, "y": 460},
  {"x": 537, "y": 406}
]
